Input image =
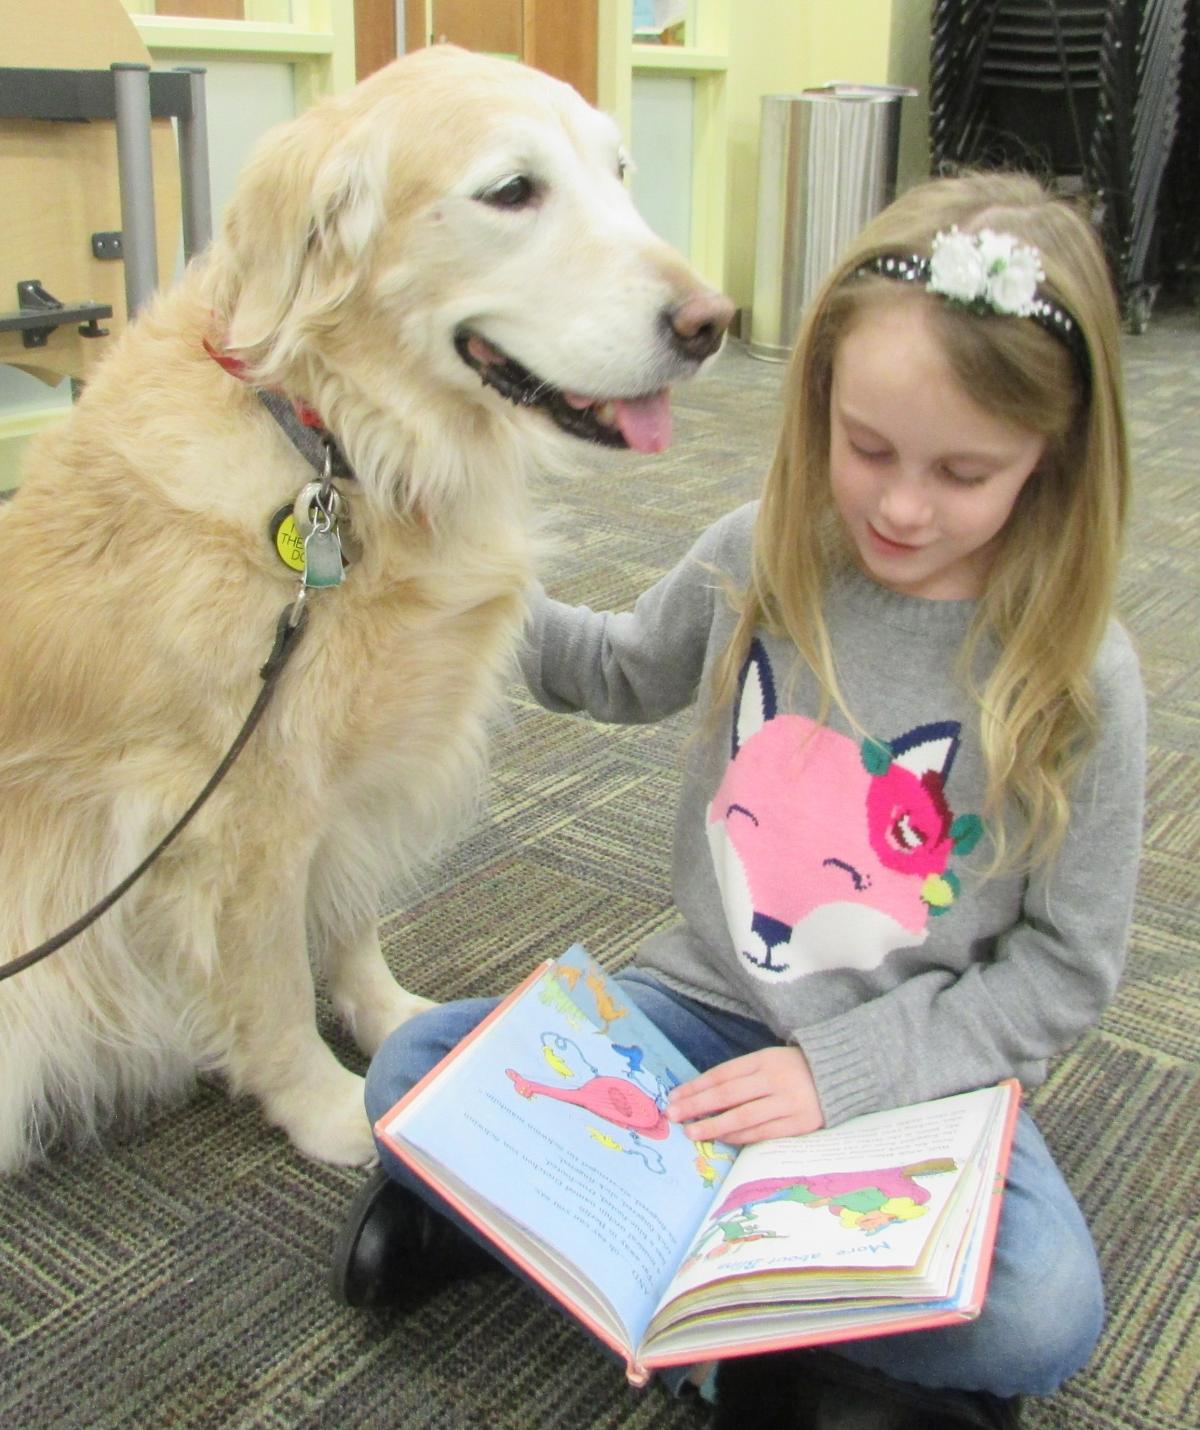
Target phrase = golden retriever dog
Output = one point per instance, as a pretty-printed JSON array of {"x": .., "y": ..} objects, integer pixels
[{"x": 443, "y": 270}]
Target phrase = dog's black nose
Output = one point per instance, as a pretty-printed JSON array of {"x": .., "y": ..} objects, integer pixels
[{"x": 699, "y": 323}]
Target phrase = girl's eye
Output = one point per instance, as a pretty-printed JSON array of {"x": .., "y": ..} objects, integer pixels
[
  {"x": 870, "y": 454},
  {"x": 965, "y": 479},
  {"x": 516, "y": 192}
]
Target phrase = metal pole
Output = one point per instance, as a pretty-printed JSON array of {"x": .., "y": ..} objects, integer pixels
[
  {"x": 131, "y": 83},
  {"x": 193, "y": 167}
]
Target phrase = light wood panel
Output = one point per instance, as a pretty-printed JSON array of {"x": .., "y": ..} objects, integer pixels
[{"x": 58, "y": 182}]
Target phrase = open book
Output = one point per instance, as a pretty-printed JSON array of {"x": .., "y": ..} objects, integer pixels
[{"x": 545, "y": 1129}]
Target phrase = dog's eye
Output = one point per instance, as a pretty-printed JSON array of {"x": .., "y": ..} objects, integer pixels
[
  {"x": 624, "y": 164},
  {"x": 512, "y": 193}
]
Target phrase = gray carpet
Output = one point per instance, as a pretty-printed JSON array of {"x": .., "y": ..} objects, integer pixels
[{"x": 175, "y": 1277}]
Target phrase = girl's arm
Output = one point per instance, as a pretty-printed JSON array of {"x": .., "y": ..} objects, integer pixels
[{"x": 639, "y": 665}]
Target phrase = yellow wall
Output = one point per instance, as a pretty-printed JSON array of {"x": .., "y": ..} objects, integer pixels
[{"x": 780, "y": 46}]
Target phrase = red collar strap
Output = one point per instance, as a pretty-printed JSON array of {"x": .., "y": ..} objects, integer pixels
[{"x": 237, "y": 368}]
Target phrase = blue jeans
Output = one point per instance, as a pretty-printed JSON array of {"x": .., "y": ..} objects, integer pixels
[{"x": 1045, "y": 1303}]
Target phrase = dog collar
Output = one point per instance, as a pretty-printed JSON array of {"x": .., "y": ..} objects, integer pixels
[
  {"x": 304, "y": 534},
  {"x": 300, "y": 424}
]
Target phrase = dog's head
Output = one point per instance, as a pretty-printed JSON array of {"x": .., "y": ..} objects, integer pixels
[{"x": 452, "y": 243}]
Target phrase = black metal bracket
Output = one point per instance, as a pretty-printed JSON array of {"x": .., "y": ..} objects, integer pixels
[
  {"x": 40, "y": 312},
  {"x": 79, "y": 95},
  {"x": 107, "y": 245}
]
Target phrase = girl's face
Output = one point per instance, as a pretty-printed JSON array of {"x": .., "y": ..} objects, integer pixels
[{"x": 923, "y": 478}]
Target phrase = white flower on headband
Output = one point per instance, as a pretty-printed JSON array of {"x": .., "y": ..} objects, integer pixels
[
  {"x": 956, "y": 269},
  {"x": 986, "y": 269}
]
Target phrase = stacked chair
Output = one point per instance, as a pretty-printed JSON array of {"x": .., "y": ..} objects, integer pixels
[
  {"x": 1180, "y": 200},
  {"x": 1085, "y": 93}
]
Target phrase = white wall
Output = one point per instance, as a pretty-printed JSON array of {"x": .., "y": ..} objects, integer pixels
[
  {"x": 245, "y": 99},
  {"x": 661, "y": 142}
]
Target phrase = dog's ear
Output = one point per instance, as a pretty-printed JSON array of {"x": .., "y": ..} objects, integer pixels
[{"x": 297, "y": 235}]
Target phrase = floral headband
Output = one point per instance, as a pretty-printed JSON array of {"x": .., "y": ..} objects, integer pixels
[{"x": 988, "y": 272}]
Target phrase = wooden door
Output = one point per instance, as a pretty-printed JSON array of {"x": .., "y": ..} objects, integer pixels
[
  {"x": 561, "y": 39},
  {"x": 375, "y": 34},
  {"x": 554, "y": 36},
  {"x": 492, "y": 26}
]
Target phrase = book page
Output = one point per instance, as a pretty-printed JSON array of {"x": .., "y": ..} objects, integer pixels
[
  {"x": 879, "y": 1196},
  {"x": 600, "y": 999},
  {"x": 563, "y": 1131}
]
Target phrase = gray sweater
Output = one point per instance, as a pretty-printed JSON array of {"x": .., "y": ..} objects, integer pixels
[{"x": 831, "y": 883}]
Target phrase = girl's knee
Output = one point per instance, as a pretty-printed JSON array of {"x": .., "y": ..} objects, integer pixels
[
  {"x": 415, "y": 1047},
  {"x": 1046, "y": 1334},
  {"x": 1045, "y": 1306},
  {"x": 1059, "y": 1346}
]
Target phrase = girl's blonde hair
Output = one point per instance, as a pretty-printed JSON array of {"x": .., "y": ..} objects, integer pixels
[{"x": 1050, "y": 590}]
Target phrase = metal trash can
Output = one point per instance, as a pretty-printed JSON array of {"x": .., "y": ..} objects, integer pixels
[{"x": 827, "y": 163}]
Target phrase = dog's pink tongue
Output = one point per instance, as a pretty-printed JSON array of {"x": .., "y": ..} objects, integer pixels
[{"x": 645, "y": 422}]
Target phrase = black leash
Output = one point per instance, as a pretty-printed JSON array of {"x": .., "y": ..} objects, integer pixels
[{"x": 287, "y": 632}]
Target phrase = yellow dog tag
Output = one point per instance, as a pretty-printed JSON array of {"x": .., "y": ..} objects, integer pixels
[{"x": 288, "y": 541}]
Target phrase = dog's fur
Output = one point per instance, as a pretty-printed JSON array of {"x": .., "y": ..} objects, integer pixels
[{"x": 140, "y": 590}]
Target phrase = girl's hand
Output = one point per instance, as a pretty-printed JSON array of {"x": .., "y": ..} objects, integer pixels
[{"x": 748, "y": 1099}]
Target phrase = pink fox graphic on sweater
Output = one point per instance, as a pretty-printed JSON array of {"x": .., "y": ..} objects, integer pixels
[{"x": 830, "y": 853}]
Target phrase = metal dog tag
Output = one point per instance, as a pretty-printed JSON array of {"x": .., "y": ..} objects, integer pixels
[{"x": 323, "y": 556}]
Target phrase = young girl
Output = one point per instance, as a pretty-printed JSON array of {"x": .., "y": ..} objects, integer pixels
[{"x": 909, "y": 824}]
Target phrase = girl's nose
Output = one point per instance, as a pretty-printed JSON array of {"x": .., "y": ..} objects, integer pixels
[{"x": 904, "y": 503}]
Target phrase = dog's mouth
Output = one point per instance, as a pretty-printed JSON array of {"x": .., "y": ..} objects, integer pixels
[{"x": 643, "y": 423}]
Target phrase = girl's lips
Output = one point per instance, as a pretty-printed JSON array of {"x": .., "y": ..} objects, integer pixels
[{"x": 886, "y": 544}]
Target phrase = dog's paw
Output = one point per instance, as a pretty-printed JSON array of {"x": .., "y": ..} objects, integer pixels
[
  {"x": 407, "y": 1005},
  {"x": 328, "y": 1123},
  {"x": 371, "y": 1025}
]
